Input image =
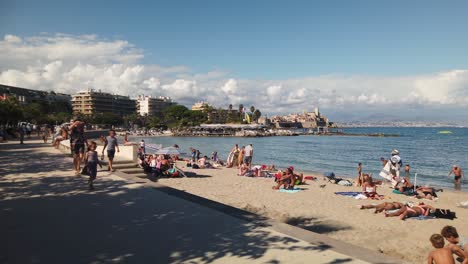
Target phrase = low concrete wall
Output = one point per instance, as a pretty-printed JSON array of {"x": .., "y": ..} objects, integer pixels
[
  {"x": 95, "y": 134},
  {"x": 127, "y": 153}
]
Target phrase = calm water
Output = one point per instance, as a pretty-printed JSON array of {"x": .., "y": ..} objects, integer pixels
[{"x": 430, "y": 154}]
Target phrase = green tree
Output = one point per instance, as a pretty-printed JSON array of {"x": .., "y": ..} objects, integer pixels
[{"x": 10, "y": 111}]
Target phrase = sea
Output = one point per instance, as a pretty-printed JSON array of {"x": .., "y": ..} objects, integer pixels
[{"x": 429, "y": 153}]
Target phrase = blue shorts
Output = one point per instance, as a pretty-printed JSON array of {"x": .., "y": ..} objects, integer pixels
[
  {"x": 111, "y": 154},
  {"x": 248, "y": 159}
]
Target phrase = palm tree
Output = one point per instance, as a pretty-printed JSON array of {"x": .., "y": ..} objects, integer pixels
[{"x": 257, "y": 114}]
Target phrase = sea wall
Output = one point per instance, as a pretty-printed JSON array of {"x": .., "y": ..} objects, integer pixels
[{"x": 127, "y": 153}]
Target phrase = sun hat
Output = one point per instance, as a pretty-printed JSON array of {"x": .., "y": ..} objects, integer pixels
[{"x": 395, "y": 159}]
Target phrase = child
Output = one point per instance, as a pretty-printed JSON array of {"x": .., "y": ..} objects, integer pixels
[
  {"x": 440, "y": 255},
  {"x": 458, "y": 245},
  {"x": 92, "y": 161}
]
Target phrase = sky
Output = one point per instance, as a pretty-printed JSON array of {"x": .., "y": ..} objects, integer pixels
[{"x": 354, "y": 60}]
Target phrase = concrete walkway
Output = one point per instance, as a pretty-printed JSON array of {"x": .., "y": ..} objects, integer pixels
[{"x": 48, "y": 216}]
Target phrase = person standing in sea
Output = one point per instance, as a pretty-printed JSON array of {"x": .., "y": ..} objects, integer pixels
[
  {"x": 77, "y": 143},
  {"x": 459, "y": 176},
  {"x": 112, "y": 145}
]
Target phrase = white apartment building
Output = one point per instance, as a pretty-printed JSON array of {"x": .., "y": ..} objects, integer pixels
[{"x": 148, "y": 105}]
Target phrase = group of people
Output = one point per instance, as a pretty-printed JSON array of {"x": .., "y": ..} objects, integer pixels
[
  {"x": 82, "y": 150},
  {"x": 157, "y": 165},
  {"x": 456, "y": 245},
  {"x": 240, "y": 156}
]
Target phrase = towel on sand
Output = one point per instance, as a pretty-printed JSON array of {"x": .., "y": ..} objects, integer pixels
[
  {"x": 295, "y": 190},
  {"x": 349, "y": 194},
  {"x": 422, "y": 217}
]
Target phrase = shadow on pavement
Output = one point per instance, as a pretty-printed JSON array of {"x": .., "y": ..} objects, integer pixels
[{"x": 56, "y": 220}]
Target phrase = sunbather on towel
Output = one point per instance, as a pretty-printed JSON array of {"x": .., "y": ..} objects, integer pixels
[
  {"x": 287, "y": 180},
  {"x": 426, "y": 192},
  {"x": 387, "y": 206},
  {"x": 369, "y": 188},
  {"x": 414, "y": 211}
]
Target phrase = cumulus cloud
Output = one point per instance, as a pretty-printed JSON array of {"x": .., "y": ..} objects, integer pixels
[{"x": 69, "y": 63}]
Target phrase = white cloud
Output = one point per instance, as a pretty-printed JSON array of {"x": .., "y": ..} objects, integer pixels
[{"x": 68, "y": 63}]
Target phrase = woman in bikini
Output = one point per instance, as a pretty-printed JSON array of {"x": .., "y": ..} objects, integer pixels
[
  {"x": 387, "y": 206},
  {"x": 414, "y": 211}
]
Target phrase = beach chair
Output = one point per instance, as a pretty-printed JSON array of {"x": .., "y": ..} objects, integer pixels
[{"x": 330, "y": 176}]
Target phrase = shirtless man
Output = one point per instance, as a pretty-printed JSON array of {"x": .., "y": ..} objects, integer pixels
[
  {"x": 456, "y": 242},
  {"x": 458, "y": 173},
  {"x": 441, "y": 254}
]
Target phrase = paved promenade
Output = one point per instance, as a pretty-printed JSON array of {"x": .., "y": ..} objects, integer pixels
[{"x": 48, "y": 216}]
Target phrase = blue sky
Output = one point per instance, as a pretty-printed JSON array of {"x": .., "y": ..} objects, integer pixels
[{"x": 267, "y": 41}]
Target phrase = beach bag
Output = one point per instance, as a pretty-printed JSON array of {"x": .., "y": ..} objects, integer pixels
[
  {"x": 444, "y": 213},
  {"x": 345, "y": 183},
  {"x": 85, "y": 171}
]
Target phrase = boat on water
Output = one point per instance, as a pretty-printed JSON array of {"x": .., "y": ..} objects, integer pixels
[{"x": 445, "y": 132}]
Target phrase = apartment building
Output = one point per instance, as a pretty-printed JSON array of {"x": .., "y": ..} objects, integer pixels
[
  {"x": 91, "y": 102},
  {"x": 152, "y": 106}
]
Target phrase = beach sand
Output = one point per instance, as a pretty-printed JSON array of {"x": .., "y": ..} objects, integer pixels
[{"x": 321, "y": 210}]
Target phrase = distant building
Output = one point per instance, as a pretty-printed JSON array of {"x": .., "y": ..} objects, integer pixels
[
  {"x": 309, "y": 120},
  {"x": 25, "y": 96},
  {"x": 91, "y": 102},
  {"x": 151, "y": 106},
  {"x": 200, "y": 106}
]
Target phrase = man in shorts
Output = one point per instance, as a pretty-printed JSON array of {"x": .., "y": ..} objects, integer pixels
[
  {"x": 78, "y": 143},
  {"x": 458, "y": 173},
  {"x": 248, "y": 155},
  {"x": 112, "y": 145}
]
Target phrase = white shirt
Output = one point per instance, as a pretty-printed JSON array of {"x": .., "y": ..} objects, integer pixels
[{"x": 248, "y": 151}]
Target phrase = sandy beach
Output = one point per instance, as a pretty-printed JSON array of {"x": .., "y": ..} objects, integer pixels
[{"x": 321, "y": 210}]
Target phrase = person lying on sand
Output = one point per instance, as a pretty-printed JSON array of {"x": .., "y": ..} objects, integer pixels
[
  {"x": 386, "y": 206},
  {"x": 414, "y": 211},
  {"x": 405, "y": 185},
  {"x": 426, "y": 192}
]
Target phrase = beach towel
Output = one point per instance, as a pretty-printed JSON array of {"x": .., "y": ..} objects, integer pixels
[
  {"x": 295, "y": 190},
  {"x": 289, "y": 191},
  {"x": 349, "y": 194},
  {"x": 422, "y": 217}
]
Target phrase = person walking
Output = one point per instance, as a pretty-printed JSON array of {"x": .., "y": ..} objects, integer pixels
[
  {"x": 459, "y": 176},
  {"x": 78, "y": 142},
  {"x": 112, "y": 145},
  {"x": 22, "y": 131},
  {"x": 92, "y": 161}
]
